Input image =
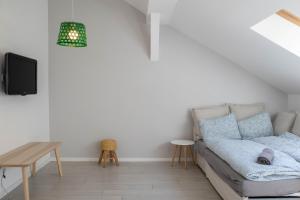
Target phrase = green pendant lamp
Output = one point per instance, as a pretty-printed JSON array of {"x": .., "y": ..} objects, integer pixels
[{"x": 72, "y": 34}]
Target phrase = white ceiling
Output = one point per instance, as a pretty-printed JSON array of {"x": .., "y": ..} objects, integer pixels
[
  {"x": 141, "y": 5},
  {"x": 225, "y": 27},
  {"x": 164, "y": 7}
]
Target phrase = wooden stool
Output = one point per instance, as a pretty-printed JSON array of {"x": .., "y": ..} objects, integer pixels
[
  {"x": 108, "y": 152},
  {"x": 185, "y": 145}
]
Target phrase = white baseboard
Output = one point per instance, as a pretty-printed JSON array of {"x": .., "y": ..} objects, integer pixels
[
  {"x": 10, "y": 188},
  {"x": 85, "y": 159},
  {"x": 145, "y": 159},
  {"x": 43, "y": 162}
]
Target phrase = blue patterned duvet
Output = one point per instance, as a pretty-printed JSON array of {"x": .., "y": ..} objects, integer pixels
[
  {"x": 287, "y": 143},
  {"x": 241, "y": 155}
]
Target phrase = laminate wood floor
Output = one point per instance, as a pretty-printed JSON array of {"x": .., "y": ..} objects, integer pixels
[{"x": 129, "y": 181}]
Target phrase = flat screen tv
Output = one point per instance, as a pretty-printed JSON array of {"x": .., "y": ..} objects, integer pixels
[{"x": 20, "y": 75}]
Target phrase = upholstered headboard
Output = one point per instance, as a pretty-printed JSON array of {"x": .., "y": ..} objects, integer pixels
[{"x": 241, "y": 111}]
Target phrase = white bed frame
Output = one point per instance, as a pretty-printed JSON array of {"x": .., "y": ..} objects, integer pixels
[{"x": 224, "y": 190}]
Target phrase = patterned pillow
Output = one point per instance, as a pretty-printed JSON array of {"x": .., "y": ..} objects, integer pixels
[
  {"x": 209, "y": 112},
  {"x": 221, "y": 127},
  {"x": 259, "y": 125}
]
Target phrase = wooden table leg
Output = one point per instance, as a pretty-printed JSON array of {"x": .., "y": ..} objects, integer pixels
[
  {"x": 110, "y": 157},
  {"x": 104, "y": 158},
  {"x": 59, "y": 167},
  {"x": 33, "y": 169},
  {"x": 185, "y": 155},
  {"x": 174, "y": 155},
  {"x": 116, "y": 158},
  {"x": 100, "y": 157},
  {"x": 179, "y": 158},
  {"x": 25, "y": 183},
  {"x": 192, "y": 154}
]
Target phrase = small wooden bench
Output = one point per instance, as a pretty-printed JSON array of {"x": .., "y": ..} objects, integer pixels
[{"x": 27, "y": 155}]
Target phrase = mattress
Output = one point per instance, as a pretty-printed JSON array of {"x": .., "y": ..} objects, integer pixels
[{"x": 243, "y": 186}]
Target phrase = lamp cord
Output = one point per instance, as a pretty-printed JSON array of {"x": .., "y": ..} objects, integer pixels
[{"x": 6, "y": 194}]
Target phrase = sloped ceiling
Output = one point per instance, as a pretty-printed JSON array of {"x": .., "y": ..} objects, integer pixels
[
  {"x": 164, "y": 7},
  {"x": 141, "y": 5},
  {"x": 224, "y": 26}
]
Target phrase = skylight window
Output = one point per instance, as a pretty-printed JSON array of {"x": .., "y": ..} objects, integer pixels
[{"x": 282, "y": 28}]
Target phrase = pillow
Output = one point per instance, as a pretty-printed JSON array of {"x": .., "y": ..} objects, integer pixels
[
  {"x": 243, "y": 111},
  {"x": 283, "y": 122},
  {"x": 259, "y": 125},
  {"x": 221, "y": 127},
  {"x": 296, "y": 128},
  {"x": 206, "y": 113}
]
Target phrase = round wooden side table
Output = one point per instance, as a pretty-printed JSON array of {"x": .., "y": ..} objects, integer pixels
[{"x": 185, "y": 146}]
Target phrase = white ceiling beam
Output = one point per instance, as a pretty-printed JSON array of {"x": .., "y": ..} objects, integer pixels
[
  {"x": 157, "y": 12},
  {"x": 165, "y": 7},
  {"x": 154, "y": 36}
]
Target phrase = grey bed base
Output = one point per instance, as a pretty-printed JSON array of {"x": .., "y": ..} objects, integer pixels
[{"x": 239, "y": 188}]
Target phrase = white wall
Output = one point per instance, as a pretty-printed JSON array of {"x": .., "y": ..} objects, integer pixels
[
  {"x": 24, "y": 31},
  {"x": 294, "y": 102},
  {"x": 111, "y": 90}
]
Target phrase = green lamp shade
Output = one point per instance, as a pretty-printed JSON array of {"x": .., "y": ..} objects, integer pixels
[{"x": 72, "y": 34}]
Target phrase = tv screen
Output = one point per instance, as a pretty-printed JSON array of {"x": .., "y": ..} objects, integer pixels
[{"x": 20, "y": 75}]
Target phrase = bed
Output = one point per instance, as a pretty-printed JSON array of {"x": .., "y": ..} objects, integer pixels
[
  {"x": 241, "y": 188},
  {"x": 230, "y": 184}
]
